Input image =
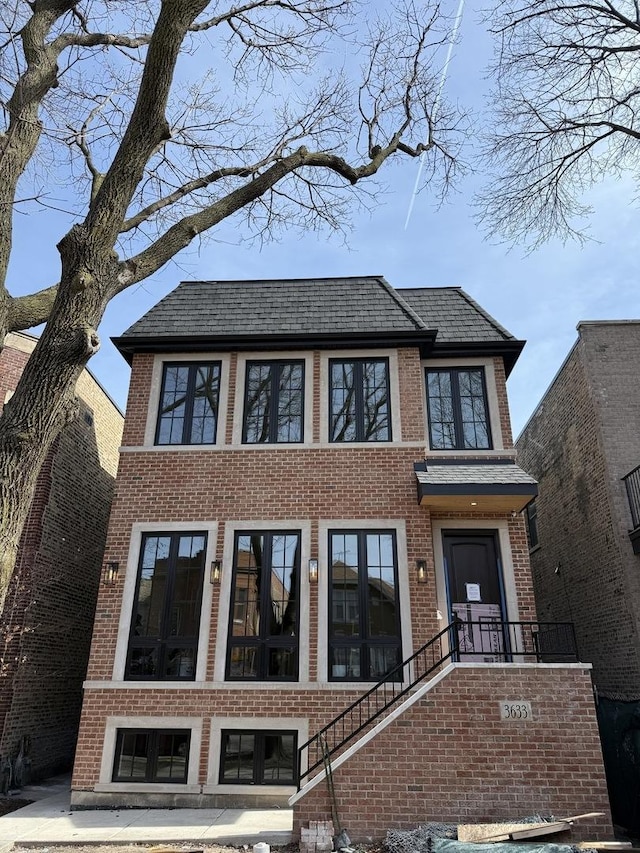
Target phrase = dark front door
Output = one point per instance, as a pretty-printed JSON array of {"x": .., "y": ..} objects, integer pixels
[{"x": 475, "y": 593}]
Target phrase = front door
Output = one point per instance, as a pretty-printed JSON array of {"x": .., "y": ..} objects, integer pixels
[{"x": 475, "y": 594}]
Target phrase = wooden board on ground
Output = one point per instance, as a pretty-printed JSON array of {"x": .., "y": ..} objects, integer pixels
[
  {"x": 604, "y": 845},
  {"x": 494, "y": 832},
  {"x": 483, "y": 832}
]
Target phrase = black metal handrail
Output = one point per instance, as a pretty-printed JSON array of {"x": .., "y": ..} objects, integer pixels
[
  {"x": 632, "y": 482},
  {"x": 485, "y": 640}
]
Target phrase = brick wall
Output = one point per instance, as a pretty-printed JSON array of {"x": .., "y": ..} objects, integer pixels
[
  {"x": 451, "y": 758},
  {"x": 224, "y": 485},
  {"x": 47, "y": 620},
  {"x": 584, "y": 436}
]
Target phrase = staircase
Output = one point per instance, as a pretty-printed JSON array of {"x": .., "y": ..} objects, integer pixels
[{"x": 479, "y": 642}]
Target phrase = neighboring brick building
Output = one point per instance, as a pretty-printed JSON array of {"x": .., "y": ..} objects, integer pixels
[
  {"x": 581, "y": 443},
  {"x": 45, "y": 626},
  {"x": 317, "y": 477}
]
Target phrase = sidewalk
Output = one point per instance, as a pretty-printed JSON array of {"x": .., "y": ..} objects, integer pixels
[{"x": 50, "y": 821}]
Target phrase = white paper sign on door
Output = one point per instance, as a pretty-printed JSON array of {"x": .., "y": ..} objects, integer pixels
[{"x": 473, "y": 592}]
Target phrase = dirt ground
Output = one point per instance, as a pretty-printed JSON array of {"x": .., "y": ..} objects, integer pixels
[{"x": 10, "y": 804}]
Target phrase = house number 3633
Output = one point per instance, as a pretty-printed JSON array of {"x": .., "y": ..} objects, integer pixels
[{"x": 515, "y": 710}]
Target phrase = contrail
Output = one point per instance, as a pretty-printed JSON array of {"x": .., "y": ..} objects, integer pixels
[{"x": 443, "y": 77}]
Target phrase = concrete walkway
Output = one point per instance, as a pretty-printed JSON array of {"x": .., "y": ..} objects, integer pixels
[{"x": 49, "y": 821}]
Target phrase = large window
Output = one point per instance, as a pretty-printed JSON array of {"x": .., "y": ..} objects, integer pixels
[
  {"x": 189, "y": 403},
  {"x": 151, "y": 755},
  {"x": 458, "y": 412},
  {"x": 273, "y": 402},
  {"x": 364, "y": 630},
  {"x": 258, "y": 758},
  {"x": 263, "y": 623},
  {"x": 359, "y": 400},
  {"x": 166, "y": 612}
]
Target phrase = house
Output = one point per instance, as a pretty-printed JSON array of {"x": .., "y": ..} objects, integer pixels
[
  {"x": 319, "y": 556},
  {"x": 46, "y": 623},
  {"x": 582, "y": 444}
]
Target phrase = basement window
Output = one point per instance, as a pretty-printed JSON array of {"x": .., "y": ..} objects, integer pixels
[
  {"x": 250, "y": 757},
  {"x": 152, "y": 755}
]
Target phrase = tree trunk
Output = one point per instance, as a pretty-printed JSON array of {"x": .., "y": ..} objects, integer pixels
[{"x": 44, "y": 400}]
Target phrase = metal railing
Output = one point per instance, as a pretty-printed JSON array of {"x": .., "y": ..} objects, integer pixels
[
  {"x": 632, "y": 482},
  {"x": 483, "y": 641}
]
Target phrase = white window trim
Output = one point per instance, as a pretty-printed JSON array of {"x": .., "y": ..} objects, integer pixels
[
  {"x": 394, "y": 395},
  {"x": 506, "y": 559},
  {"x": 231, "y": 528},
  {"x": 129, "y": 589},
  {"x": 154, "y": 399},
  {"x": 212, "y": 786},
  {"x": 241, "y": 377},
  {"x": 112, "y": 724},
  {"x": 492, "y": 402},
  {"x": 399, "y": 528}
]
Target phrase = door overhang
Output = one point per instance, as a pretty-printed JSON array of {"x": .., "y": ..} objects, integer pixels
[{"x": 459, "y": 486}]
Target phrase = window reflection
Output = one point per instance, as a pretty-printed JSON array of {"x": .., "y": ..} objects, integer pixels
[
  {"x": 365, "y": 616},
  {"x": 264, "y": 607},
  {"x": 359, "y": 400}
]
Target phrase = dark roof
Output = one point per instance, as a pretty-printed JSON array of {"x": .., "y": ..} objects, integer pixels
[
  {"x": 363, "y": 310},
  {"x": 455, "y": 315}
]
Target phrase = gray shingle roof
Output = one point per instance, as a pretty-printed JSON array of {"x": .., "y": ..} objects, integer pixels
[
  {"x": 472, "y": 475},
  {"x": 332, "y": 306},
  {"x": 455, "y": 315},
  {"x": 263, "y": 307}
]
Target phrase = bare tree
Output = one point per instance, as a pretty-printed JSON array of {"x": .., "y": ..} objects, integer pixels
[
  {"x": 106, "y": 98},
  {"x": 567, "y": 92}
]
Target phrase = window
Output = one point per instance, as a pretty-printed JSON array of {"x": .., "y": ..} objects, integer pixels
[
  {"x": 189, "y": 403},
  {"x": 359, "y": 400},
  {"x": 364, "y": 631},
  {"x": 258, "y": 758},
  {"x": 263, "y": 623},
  {"x": 151, "y": 755},
  {"x": 531, "y": 514},
  {"x": 166, "y": 610},
  {"x": 273, "y": 402},
  {"x": 458, "y": 412}
]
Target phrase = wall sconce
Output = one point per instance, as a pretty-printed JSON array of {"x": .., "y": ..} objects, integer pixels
[
  {"x": 421, "y": 566},
  {"x": 313, "y": 571},
  {"x": 110, "y": 572},
  {"x": 216, "y": 571}
]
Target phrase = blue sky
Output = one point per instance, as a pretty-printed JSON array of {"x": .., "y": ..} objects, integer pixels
[{"x": 539, "y": 297}]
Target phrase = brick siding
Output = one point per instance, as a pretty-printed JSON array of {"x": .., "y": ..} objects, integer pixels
[
  {"x": 317, "y": 485},
  {"x": 582, "y": 439},
  {"x": 451, "y": 758},
  {"x": 48, "y": 616}
]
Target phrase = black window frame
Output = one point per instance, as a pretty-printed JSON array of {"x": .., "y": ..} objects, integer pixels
[
  {"x": 166, "y": 642},
  {"x": 264, "y": 640},
  {"x": 259, "y": 736},
  {"x": 276, "y": 366},
  {"x": 531, "y": 516},
  {"x": 358, "y": 384},
  {"x": 454, "y": 374},
  {"x": 152, "y": 756},
  {"x": 193, "y": 367},
  {"x": 363, "y": 641}
]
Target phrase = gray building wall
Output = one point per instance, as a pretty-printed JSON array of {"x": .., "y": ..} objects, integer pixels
[{"x": 582, "y": 439}]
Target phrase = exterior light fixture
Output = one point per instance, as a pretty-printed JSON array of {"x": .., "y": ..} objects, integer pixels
[
  {"x": 421, "y": 566},
  {"x": 313, "y": 571},
  {"x": 216, "y": 571},
  {"x": 110, "y": 572}
]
